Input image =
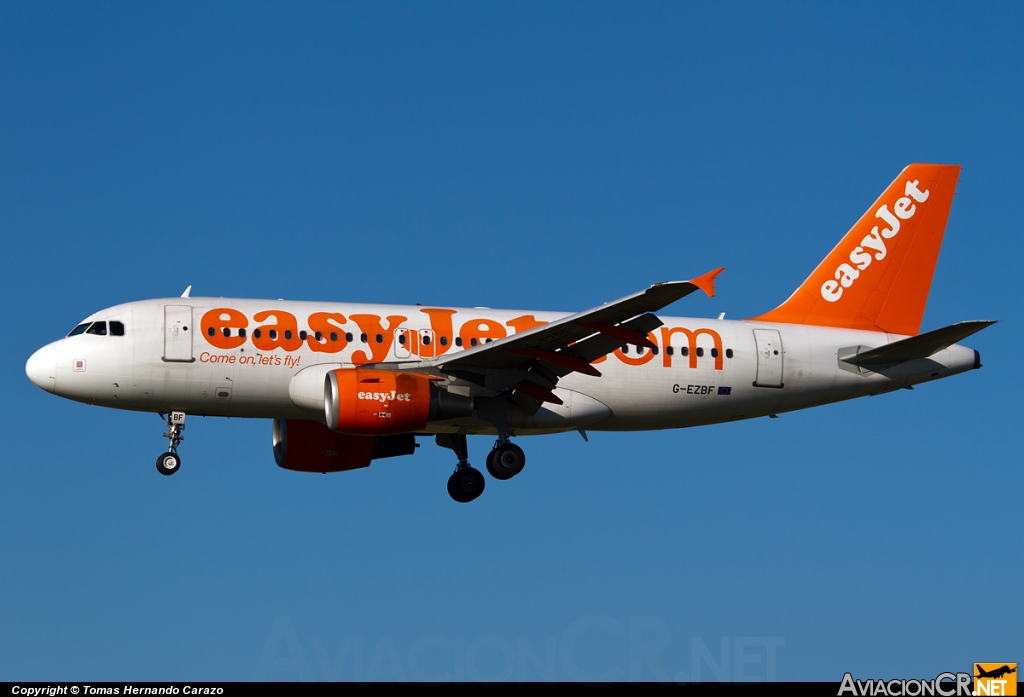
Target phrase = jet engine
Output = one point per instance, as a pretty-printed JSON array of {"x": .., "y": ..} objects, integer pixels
[
  {"x": 308, "y": 446},
  {"x": 364, "y": 402}
]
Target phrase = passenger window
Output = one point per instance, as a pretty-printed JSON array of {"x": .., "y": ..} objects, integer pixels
[
  {"x": 685, "y": 351},
  {"x": 458, "y": 341},
  {"x": 80, "y": 329},
  {"x": 256, "y": 333},
  {"x": 210, "y": 331},
  {"x": 473, "y": 342},
  {"x": 241, "y": 333},
  {"x": 116, "y": 329},
  {"x": 444, "y": 340},
  {"x": 655, "y": 350},
  {"x": 334, "y": 336},
  {"x": 303, "y": 335},
  {"x": 362, "y": 337},
  {"x": 318, "y": 336},
  {"x": 380, "y": 339},
  {"x": 348, "y": 336},
  {"x": 728, "y": 353},
  {"x": 426, "y": 339},
  {"x": 288, "y": 334},
  {"x": 625, "y": 350},
  {"x": 714, "y": 353},
  {"x": 227, "y": 331},
  {"x": 98, "y": 328},
  {"x": 401, "y": 339},
  {"x": 700, "y": 352},
  {"x": 273, "y": 334},
  {"x": 669, "y": 350}
]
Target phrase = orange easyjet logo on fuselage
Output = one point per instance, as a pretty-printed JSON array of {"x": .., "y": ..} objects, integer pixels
[{"x": 325, "y": 332}]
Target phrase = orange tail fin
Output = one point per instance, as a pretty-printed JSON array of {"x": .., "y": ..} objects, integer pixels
[{"x": 879, "y": 275}]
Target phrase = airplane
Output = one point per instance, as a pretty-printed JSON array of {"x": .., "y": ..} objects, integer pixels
[
  {"x": 345, "y": 384},
  {"x": 995, "y": 673}
]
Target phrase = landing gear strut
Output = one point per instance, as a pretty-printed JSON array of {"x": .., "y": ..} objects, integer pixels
[
  {"x": 169, "y": 462},
  {"x": 466, "y": 483},
  {"x": 506, "y": 460}
]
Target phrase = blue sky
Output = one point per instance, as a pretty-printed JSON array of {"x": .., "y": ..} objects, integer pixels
[{"x": 526, "y": 155}]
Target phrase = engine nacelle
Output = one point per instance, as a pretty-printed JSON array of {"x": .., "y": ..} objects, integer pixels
[
  {"x": 308, "y": 446},
  {"x": 364, "y": 401}
]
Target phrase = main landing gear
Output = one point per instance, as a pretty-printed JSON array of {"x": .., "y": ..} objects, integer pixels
[
  {"x": 466, "y": 483},
  {"x": 505, "y": 461},
  {"x": 169, "y": 463}
]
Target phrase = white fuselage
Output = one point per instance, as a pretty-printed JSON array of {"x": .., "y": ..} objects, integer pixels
[{"x": 723, "y": 370}]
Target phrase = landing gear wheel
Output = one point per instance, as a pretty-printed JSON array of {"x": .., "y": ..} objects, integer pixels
[
  {"x": 506, "y": 461},
  {"x": 168, "y": 463},
  {"x": 466, "y": 484}
]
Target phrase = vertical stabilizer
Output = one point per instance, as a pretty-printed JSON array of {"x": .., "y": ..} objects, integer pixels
[{"x": 879, "y": 275}]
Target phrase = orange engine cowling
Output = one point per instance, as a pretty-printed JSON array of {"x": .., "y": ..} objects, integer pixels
[
  {"x": 308, "y": 446},
  {"x": 364, "y": 401},
  {"x": 368, "y": 402}
]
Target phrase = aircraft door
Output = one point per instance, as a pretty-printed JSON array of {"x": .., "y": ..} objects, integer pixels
[
  {"x": 769, "y": 358},
  {"x": 178, "y": 332},
  {"x": 410, "y": 342}
]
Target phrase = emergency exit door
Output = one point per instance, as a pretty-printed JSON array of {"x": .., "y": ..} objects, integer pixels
[
  {"x": 769, "y": 358},
  {"x": 409, "y": 342},
  {"x": 178, "y": 332}
]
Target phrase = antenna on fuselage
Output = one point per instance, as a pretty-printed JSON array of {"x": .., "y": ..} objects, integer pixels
[{"x": 187, "y": 291}]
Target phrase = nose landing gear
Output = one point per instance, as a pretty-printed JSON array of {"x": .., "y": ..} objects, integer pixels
[{"x": 169, "y": 463}]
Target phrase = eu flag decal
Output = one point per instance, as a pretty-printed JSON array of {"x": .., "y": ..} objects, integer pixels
[{"x": 724, "y": 390}]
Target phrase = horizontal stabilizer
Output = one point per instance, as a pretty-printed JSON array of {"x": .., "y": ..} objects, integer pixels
[{"x": 920, "y": 346}]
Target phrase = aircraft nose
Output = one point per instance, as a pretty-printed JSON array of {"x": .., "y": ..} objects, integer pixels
[{"x": 41, "y": 368}]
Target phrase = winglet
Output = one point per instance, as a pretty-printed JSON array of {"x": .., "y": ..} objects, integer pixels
[
  {"x": 707, "y": 282},
  {"x": 187, "y": 291}
]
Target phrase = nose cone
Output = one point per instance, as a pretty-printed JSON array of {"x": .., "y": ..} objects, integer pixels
[{"x": 42, "y": 368}]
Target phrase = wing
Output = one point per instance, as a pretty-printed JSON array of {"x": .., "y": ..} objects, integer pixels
[{"x": 525, "y": 367}]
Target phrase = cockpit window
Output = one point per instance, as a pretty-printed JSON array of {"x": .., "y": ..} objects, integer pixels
[{"x": 98, "y": 329}]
